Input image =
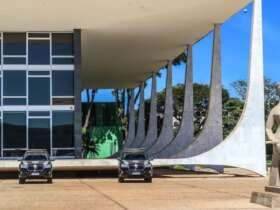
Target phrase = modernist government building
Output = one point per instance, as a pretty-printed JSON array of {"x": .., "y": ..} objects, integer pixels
[
  {"x": 51, "y": 50},
  {"x": 37, "y": 93}
]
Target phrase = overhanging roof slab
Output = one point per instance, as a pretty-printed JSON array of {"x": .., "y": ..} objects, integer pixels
[{"x": 122, "y": 41}]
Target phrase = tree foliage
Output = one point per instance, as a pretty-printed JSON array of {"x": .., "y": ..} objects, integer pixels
[
  {"x": 122, "y": 114},
  {"x": 232, "y": 108},
  {"x": 89, "y": 146},
  {"x": 271, "y": 93}
]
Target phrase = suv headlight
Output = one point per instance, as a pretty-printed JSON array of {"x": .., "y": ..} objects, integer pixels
[
  {"x": 47, "y": 164},
  {"x": 147, "y": 164},
  {"x": 124, "y": 164},
  {"x": 24, "y": 165}
]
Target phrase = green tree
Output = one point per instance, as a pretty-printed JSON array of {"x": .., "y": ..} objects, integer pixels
[
  {"x": 232, "y": 110},
  {"x": 272, "y": 96},
  {"x": 89, "y": 145},
  {"x": 120, "y": 99},
  {"x": 201, "y": 98}
]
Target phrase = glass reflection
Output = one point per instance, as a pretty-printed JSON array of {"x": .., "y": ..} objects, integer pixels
[
  {"x": 39, "y": 52},
  {"x": 14, "y": 83},
  {"x": 39, "y": 91},
  {"x": 63, "y": 83},
  {"x": 62, "y": 44},
  {"x": 39, "y": 134},
  {"x": 63, "y": 129},
  {"x": 14, "y": 44},
  {"x": 14, "y": 129}
]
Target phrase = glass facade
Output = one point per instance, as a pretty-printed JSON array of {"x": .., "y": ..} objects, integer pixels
[{"x": 36, "y": 93}]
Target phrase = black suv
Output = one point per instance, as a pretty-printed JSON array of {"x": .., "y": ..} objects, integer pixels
[
  {"x": 133, "y": 163},
  {"x": 35, "y": 164}
]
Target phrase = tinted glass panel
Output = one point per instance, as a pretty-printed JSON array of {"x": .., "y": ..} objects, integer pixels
[
  {"x": 63, "y": 61},
  {"x": 14, "y": 129},
  {"x": 63, "y": 101},
  {"x": 39, "y": 52},
  {"x": 14, "y": 153},
  {"x": 14, "y": 61},
  {"x": 39, "y": 134},
  {"x": 14, "y": 44},
  {"x": 36, "y": 114},
  {"x": 63, "y": 129},
  {"x": 65, "y": 153},
  {"x": 14, "y": 101},
  {"x": 135, "y": 157},
  {"x": 62, "y": 44},
  {"x": 63, "y": 83},
  {"x": 38, "y": 35},
  {"x": 38, "y": 73},
  {"x": 39, "y": 91},
  {"x": 14, "y": 83},
  {"x": 35, "y": 158}
]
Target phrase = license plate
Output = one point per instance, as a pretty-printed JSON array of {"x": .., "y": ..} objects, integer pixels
[
  {"x": 35, "y": 174},
  {"x": 136, "y": 173}
]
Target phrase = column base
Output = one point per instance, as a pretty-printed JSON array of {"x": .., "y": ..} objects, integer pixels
[{"x": 268, "y": 199}]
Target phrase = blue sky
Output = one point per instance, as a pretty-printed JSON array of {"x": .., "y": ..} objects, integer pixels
[{"x": 235, "y": 51}]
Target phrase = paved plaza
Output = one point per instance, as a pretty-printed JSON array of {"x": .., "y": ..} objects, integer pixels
[{"x": 169, "y": 190}]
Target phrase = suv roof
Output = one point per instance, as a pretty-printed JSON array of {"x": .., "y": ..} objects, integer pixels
[
  {"x": 134, "y": 150},
  {"x": 36, "y": 151}
]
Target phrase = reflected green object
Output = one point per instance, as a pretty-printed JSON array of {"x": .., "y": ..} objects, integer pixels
[
  {"x": 106, "y": 139},
  {"x": 105, "y": 135}
]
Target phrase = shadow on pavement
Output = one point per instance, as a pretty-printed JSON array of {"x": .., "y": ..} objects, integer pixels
[{"x": 158, "y": 173}]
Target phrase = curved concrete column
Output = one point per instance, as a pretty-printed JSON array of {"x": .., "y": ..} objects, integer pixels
[
  {"x": 131, "y": 125},
  {"x": 185, "y": 135},
  {"x": 212, "y": 134},
  {"x": 166, "y": 134},
  {"x": 140, "y": 135},
  {"x": 152, "y": 127},
  {"x": 245, "y": 146}
]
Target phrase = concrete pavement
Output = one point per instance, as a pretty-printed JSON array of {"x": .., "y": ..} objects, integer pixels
[{"x": 168, "y": 191}]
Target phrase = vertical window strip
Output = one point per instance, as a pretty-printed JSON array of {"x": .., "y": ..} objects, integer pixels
[{"x": 27, "y": 85}]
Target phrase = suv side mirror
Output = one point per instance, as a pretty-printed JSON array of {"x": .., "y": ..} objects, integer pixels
[{"x": 19, "y": 159}]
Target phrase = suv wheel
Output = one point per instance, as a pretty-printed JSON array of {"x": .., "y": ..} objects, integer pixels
[
  {"x": 21, "y": 181},
  {"x": 50, "y": 181},
  {"x": 149, "y": 179},
  {"x": 121, "y": 179}
]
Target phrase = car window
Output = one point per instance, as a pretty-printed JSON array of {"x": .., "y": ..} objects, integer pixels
[
  {"x": 35, "y": 157},
  {"x": 134, "y": 157}
]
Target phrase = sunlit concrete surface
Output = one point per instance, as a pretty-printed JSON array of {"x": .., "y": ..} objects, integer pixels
[
  {"x": 168, "y": 191},
  {"x": 137, "y": 36},
  {"x": 67, "y": 165}
]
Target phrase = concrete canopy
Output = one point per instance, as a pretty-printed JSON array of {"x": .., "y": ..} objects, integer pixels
[{"x": 124, "y": 41}]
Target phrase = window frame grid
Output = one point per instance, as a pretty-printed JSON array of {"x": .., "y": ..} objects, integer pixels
[{"x": 30, "y": 108}]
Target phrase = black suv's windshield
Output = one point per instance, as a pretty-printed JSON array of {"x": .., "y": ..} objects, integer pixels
[
  {"x": 35, "y": 157},
  {"x": 134, "y": 157}
]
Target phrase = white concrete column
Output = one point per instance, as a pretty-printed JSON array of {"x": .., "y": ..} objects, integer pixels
[
  {"x": 140, "y": 135},
  {"x": 185, "y": 135},
  {"x": 166, "y": 134},
  {"x": 245, "y": 146},
  {"x": 131, "y": 124},
  {"x": 152, "y": 127},
  {"x": 212, "y": 133}
]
